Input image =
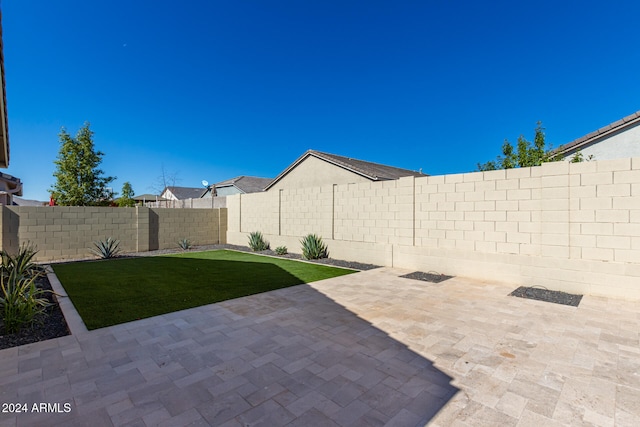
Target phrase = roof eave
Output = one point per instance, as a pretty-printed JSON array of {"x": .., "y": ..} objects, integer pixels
[
  {"x": 4, "y": 121},
  {"x": 594, "y": 137},
  {"x": 288, "y": 169}
]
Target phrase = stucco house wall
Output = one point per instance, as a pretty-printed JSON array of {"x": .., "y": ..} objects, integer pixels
[
  {"x": 9, "y": 186},
  {"x": 168, "y": 194},
  {"x": 313, "y": 172},
  {"x": 226, "y": 191},
  {"x": 181, "y": 193},
  {"x": 625, "y": 143},
  {"x": 618, "y": 140}
]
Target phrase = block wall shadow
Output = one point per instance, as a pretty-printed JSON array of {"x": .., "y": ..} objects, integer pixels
[
  {"x": 154, "y": 231},
  {"x": 324, "y": 350},
  {"x": 10, "y": 227}
]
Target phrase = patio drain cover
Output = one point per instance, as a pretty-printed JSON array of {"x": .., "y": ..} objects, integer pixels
[
  {"x": 542, "y": 294},
  {"x": 427, "y": 277}
]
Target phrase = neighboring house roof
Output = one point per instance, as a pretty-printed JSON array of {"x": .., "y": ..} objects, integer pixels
[
  {"x": 149, "y": 198},
  {"x": 182, "y": 193},
  {"x": 598, "y": 135},
  {"x": 19, "y": 201},
  {"x": 4, "y": 121},
  {"x": 370, "y": 170},
  {"x": 246, "y": 184},
  {"x": 10, "y": 184}
]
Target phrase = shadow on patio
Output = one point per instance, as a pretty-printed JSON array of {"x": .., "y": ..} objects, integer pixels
[{"x": 287, "y": 357}]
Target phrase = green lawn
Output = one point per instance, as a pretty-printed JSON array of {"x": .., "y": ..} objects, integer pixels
[{"x": 110, "y": 292}]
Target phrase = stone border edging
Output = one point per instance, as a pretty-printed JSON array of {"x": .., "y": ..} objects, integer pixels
[{"x": 74, "y": 321}]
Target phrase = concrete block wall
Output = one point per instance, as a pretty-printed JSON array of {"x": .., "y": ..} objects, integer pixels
[
  {"x": 62, "y": 232},
  {"x": 65, "y": 232},
  {"x": 9, "y": 221},
  {"x": 565, "y": 226},
  {"x": 262, "y": 212},
  {"x": 380, "y": 213},
  {"x": 200, "y": 226},
  {"x": 306, "y": 210}
]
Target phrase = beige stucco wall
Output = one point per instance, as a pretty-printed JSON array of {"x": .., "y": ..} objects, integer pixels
[
  {"x": 566, "y": 226},
  {"x": 62, "y": 232},
  {"x": 313, "y": 172}
]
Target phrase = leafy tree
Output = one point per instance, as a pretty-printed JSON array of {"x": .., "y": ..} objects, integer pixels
[
  {"x": 79, "y": 181},
  {"x": 127, "y": 195},
  {"x": 526, "y": 153}
]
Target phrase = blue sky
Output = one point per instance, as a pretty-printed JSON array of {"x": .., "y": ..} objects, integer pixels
[{"x": 214, "y": 89}]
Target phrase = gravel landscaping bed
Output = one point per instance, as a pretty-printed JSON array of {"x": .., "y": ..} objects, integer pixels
[
  {"x": 327, "y": 261},
  {"x": 46, "y": 327},
  {"x": 543, "y": 294},
  {"x": 427, "y": 277}
]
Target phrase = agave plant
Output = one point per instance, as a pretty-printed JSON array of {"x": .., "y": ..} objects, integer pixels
[
  {"x": 22, "y": 263},
  {"x": 107, "y": 248},
  {"x": 313, "y": 247},
  {"x": 257, "y": 242},
  {"x": 281, "y": 250},
  {"x": 184, "y": 244},
  {"x": 21, "y": 301}
]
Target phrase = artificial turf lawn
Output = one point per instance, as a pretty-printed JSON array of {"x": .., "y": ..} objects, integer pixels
[{"x": 109, "y": 292}]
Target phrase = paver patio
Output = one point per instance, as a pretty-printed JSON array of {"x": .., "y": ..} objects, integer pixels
[{"x": 365, "y": 349}]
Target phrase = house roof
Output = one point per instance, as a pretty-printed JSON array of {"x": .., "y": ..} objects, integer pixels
[
  {"x": 4, "y": 121},
  {"x": 246, "y": 184},
  {"x": 13, "y": 183},
  {"x": 182, "y": 193},
  {"x": 149, "y": 198},
  {"x": 370, "y": 170},
  {"x": 596, "y": 136},
  {"x": 19, "y": 201}
]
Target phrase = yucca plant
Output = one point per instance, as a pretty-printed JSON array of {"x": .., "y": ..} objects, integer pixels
[
  {"x": 21, "y": 301},
  {"x": 281, "y": 250},
  {"x": 107, "y": 248},
  {"x": 257, "y": 242},
  {"x": 22, "y": 263},
  {"x": 313, "y": 247},
  {"x": 184, "y": 244}
]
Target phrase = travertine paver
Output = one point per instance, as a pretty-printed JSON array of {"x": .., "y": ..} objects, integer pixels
[{"x": 365, "y": 349}]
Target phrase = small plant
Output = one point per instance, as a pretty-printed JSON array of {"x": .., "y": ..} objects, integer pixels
[
  {"x": 22, "y": 263},
  {"x": 257, "y": 242},
  {"x": 184, "y": 244},
  {"x": 108, "y": 248},
  {"x": 281, "y": 250},
  {"x": 313, "y": 247},
  {"x": 578, "y": 157},
  {"x": 21, "y": 300}
]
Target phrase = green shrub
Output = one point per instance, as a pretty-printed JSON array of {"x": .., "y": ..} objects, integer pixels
[
  {"x": 184, "y": 244},
  {"x": 313, "y": 247},
  {"x": 22, "y": 264},
  {"x": 20, "y": 300},
  {"x": 257, "y": 242},
  {"x": 108, "y": 248},
  {"x": 281, "y": 250}
]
